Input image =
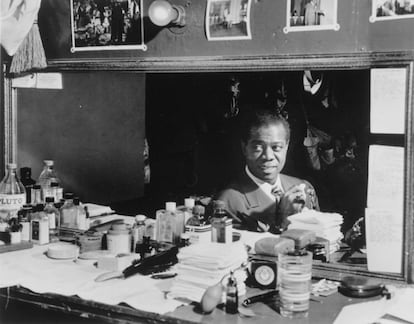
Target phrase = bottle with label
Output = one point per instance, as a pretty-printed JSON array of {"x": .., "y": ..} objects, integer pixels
[
  {"x": 53, "y": 215},
  {"x": 221, "y": 224},
  {"x": 68, "y": 212},
  {"x": 39, "y": 226},
  {"x": 46, "y": 177},
  {"x": 27, "y": 181},
  {"x": 12, "y": 194}
]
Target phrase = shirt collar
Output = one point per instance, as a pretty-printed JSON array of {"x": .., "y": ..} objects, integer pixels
[{"x": 265, "y": 186}]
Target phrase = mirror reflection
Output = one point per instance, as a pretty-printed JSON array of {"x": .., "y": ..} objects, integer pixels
[{"x": 192, "y": 132}]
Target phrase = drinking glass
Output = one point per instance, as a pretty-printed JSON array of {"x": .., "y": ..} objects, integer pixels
[{"x": 295, "y": 273}]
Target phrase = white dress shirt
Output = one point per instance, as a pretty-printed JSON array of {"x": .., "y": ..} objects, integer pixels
[{"x": 265, "y": 186}]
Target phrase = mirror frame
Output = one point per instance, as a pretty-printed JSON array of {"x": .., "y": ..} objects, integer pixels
[{"x": 347, "y": 61}]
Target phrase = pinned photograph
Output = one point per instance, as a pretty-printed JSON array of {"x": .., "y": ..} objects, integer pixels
[
  {"x": 107, "y": 25},
  {"x": 305, "y": 15},
  {"x": 391, "y": 9},
  {"x": 228, "y": 19}
]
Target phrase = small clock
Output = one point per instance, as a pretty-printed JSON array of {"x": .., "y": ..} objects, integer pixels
[{"x": 263, "y": 273}]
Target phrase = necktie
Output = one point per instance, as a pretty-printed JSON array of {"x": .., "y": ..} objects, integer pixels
[{"x": 277, "y": 192}]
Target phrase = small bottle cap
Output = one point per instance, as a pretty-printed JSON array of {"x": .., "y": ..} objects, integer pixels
[
  {"x": 48, "y": 162},
  {"x": 189, "y": 202},
  {"x": 37, "y": 187},
  {"x": 76, "y": 201},
  {"x": 140, "y": 218},
  {"x": 50, "y": 199},
  {"x": 27, "y": 206},
  {"x": 68, "y": 195},
  {"x": 54, "y": 184},
  {"x": 170, "y": 206}
]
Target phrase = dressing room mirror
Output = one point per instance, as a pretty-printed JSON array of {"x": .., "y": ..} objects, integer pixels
[{"x": 357, "y": 112}]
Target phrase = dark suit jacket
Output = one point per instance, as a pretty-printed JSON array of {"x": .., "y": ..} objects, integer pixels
[{"x": 247, "y": 203}]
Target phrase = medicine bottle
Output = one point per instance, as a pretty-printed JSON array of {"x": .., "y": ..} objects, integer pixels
[
  {"x": 39, "y": 225},
  {"x": 198, "y": 216},
  {"x": 221, "y": 224},
  {"x": 232, "y": 298},
  {"x": 138, "y": 231},
  {"x": 53, "y": 216},
  {"x": 68, "y": 212},
  {"x": 25, "y": 215},
  {"x": 27, "y": 181},
  {"x": 46, "y": 177},
  {"x": 12, "y": 194}
]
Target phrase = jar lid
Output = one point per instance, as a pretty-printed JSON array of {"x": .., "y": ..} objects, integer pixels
[
  {"x": 360, "y": 287},
  {"x": 170, "y": 206},
  {"x": 140, "y": 218},
  {"x": 189, "y": 202}
]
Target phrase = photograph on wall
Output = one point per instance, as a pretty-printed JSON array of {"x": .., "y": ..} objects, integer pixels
[
  {"x": 228, "y": 19},
  {"x": 302, "y": 15},
  {"x": 107, "y": 25},
  {"x": 391, "y": 9}
]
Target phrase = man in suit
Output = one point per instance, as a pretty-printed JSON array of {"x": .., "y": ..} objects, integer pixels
[{"x": 262, "y": 198}]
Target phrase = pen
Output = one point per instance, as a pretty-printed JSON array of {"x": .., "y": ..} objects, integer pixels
[
  {"x": 261, "y": 297},
  {"x": 163, "y": 276}
]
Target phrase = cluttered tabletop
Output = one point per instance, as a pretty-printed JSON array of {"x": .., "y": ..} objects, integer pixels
[{"x": 241, "y": 277}]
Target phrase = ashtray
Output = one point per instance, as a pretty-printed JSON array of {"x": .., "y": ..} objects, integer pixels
[{"x": 361, "y": 287}]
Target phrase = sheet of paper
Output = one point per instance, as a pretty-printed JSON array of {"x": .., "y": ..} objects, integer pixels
[
  {"x": 388, "y": 100},
  {"x": 384, "y": 237},
  {"x": 386, "y": 178},
  {"x": 403, "y": 306},
  {"x": 368, "y": 312}
]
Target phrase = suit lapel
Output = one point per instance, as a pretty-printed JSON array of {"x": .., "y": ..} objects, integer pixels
[{"x": 255, "y": 197}]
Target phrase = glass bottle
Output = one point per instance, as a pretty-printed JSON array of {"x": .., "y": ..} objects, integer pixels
[
  {"x": 68, "y": 212},
  {"x": 24, "y": 215},
  {"x": 221, "y": 230},
  {"x": 27, "y": 181},
  {"x": 46, "y": 177},
  {"x": 198, "y": 216},
  {"x": 12, "y": 194},
  {"x": 187, "y": 209},
  {"x": 53, "y": 216},
  {"x": 138, "y": 231},
  {"x": 39, "y": 225},
  {"x": 232, "y": 298}
]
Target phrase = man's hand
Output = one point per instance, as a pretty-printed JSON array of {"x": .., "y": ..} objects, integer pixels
[{"x": 291, "y": 202}]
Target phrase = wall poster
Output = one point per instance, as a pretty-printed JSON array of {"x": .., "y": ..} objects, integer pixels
[
  {"x": 228, "y": 19},
  {"x": 391, "y": 9},
  {"x": 302, "y": 15},
  {"x": 107, "y": 25}
]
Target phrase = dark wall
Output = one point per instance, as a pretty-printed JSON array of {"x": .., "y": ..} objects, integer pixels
[
  {"x": 356, "y": 33},
  {"x": 93, "y": 129}
]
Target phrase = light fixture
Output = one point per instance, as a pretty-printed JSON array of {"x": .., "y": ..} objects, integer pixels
[{"x": 163, "y": 13}]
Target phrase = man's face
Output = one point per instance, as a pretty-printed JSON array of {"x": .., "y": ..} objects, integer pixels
[{"x": 265, "y": 151}]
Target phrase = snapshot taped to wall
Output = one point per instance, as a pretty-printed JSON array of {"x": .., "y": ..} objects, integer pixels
[
  {"x": 391, "y": 9},
  {"x": 107, "y": 25},
  {"x": 302, "y": 15},
  {"x": 228, "y": 20}
]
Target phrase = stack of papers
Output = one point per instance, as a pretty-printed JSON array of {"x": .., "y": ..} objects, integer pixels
[
  {"x": 325, "y": 225},
  {"x": 205, "y": 264}
]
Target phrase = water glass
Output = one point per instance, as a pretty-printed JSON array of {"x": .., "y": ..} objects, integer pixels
[{"x": 295, "y": 273}]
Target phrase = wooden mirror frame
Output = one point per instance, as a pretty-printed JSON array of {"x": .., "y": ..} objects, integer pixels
[{"x": 353, "y": 61}]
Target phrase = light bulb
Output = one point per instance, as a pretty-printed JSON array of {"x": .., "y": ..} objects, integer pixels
[{"x": 162, "y": 13}]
